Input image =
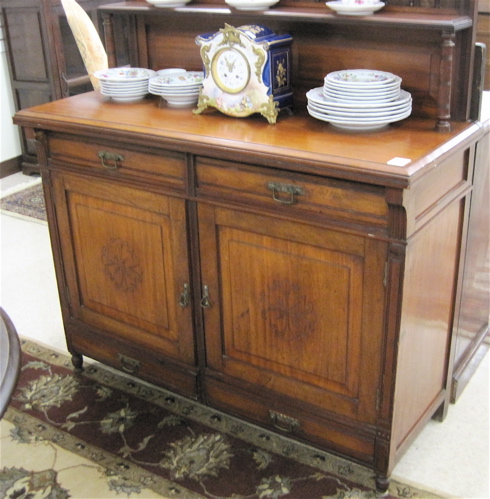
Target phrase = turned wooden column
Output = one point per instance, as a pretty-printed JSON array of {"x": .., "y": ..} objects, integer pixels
[
  {"x": 446, "y": 74},
  {"x": 110, "y": 45}
]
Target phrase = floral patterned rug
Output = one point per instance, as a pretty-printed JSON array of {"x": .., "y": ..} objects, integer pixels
[
  {"x": 102, "y": 434},
  {"x": 28, "y": 202}
]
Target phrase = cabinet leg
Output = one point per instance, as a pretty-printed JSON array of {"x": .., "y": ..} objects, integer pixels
[
  {"x": 382, "y": 484},
  {"x": 77, "y": 361}
]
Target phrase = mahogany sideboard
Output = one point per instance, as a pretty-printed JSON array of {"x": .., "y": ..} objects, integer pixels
[{"x": 292, "y": 275}]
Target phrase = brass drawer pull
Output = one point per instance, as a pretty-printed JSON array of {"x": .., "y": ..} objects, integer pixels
[
  {"x": 205, "y": 302},
  {"x": 113, "y": 157},
  {"x": 282, "y": 422},
  {"x": 184, "y": 297},
  {"x": 290, "y": 190},
  {"x": 128, "y": 364}
]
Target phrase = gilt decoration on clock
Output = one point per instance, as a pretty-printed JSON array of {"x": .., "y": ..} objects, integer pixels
[{"x": 247, "y": 71}]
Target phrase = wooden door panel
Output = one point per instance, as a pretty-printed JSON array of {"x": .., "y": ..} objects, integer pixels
[
  {"x": 126, "y": 263},
  {"x": 284, "y": 309},
  {"x": 288, "y": 306}
]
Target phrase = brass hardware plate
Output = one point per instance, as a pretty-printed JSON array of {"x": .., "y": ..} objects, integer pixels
[
  {"x": 282, "y": 422},
  {"x": 284, "y": 193},
  {"x": 184, "y": 296},
  {"x": 128, "y": 364},
  {"x": 113, "y": 158}
]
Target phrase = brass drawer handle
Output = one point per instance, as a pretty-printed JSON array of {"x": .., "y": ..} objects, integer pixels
[
  {"x": 290, "y": 190},
  {"x": 128, "y": 364},
  {"x": 113, "y": 157},
  {"x": 282, "y": 422},
  {"x": 205, "y": 301},
  {"x": 184, "y": 296}
]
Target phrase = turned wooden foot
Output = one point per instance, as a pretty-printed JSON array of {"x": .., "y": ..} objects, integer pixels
[
  {"x": 77, "y": 361},
  {"x": 382, "y": 484}
]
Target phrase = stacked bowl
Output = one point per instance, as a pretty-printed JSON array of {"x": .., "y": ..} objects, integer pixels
[
  {"x": 360, "y": 99},
  {"x": 179, "y": 89},
  {"x": 124, "y": 84}
]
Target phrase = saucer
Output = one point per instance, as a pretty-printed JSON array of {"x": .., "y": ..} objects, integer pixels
[{"x": 354, "y": 9}]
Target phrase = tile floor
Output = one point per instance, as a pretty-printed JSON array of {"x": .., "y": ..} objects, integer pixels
[{"x": 449, "y": 458}]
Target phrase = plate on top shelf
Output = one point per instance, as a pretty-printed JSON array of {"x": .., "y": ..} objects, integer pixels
[
  {"x": 355, "y": 9},
  {"x": 169, "y": 4},
  {"x": 251, "y": 4}
]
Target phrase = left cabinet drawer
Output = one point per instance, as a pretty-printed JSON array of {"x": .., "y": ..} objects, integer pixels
[
  {"x": 140, "y": 362},
  {"x": 112, "y": 158}
]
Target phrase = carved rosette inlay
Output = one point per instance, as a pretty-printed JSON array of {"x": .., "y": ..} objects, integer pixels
[
  {"x": 289, "y": 313},
  {"x": 122, "y": 265}
]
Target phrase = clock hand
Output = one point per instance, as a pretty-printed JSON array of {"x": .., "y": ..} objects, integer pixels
[{"x": 230, "y": 65}]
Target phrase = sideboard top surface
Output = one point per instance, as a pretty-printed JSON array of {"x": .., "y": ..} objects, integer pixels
[{"x": 296, "y": 142}]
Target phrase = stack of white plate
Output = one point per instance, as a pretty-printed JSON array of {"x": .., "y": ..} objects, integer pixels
[
  {"x": 360, "y": 100},
  {"x": 179, "y": 89},
  {"x": 124, "y": 84}
]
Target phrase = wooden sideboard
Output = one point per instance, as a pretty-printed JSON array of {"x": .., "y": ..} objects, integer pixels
[{"x": 326, "y": 315}]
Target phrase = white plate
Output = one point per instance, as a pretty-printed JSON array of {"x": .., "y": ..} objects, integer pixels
[
  {"x": 354, "y": 113},
  {"x": 350, "y": 97},
  {"x": 175, "y": 88},
  {"x": 354, "y": 9},
  {"x": 359, "y": 78},
  {"x": 127, "y": 99},
  {"x": 353, "y": 119},
  {"x": 168, "y": 3},
  {"x": 180, "y": 101},
  {"x": 371, "y": 89},
  {"x": 316, "y": 96},
  {"x": 166, "y": 72},
  {"x": 251, "y": 4},
  {"x": 351, "y": 124},
  {"x": 189, "y": 78},
  {"x": 129, "y": 89},
  {"x": 124, "y": 74}
]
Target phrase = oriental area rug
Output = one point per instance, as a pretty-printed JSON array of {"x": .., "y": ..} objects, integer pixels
[
  {"x": 27, "y": 202},
  {"x": 104, "y": 434}
]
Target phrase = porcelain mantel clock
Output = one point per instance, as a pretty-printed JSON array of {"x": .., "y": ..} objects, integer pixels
[{"x": 247, "y": 70}]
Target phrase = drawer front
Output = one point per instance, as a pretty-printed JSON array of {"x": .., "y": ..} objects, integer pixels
[
  {"x": 136, "y": 361},
  {"x": 294, "y": 422},
  {"x": 162, "y": 166},
  {"x": 292, "y": 194}
]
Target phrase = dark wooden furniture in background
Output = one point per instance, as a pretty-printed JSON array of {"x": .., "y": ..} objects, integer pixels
[
  {"x": 483, "y": 34},
  {"x": 44, "y": 60}
]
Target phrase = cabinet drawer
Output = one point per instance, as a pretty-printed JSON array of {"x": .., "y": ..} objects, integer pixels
[
  {"x": 136, "y": 361},
  {"x": 163, "y": 166},
  {"x": 292, "y": 194},
  {"x": 292, "y": 421}
]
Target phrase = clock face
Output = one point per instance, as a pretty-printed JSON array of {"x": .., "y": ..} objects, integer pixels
[{"x": 230, "y": 70}]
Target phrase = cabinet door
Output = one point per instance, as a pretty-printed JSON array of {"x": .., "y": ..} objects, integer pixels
[
  {"x": 125, "y": 260},
  {"x": 293, "y": 310}
]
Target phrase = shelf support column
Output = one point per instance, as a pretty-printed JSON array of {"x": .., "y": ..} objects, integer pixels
[
  {"x": 446, "y": 74},
  {"x": 110, "y": 45}
]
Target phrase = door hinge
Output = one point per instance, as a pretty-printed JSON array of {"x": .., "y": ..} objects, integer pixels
[{"x": 385, "y": 276}]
